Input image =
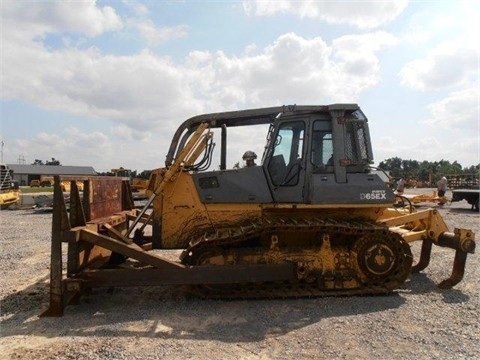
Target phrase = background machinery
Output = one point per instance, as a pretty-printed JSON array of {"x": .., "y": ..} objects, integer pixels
[
  {"x": 9, "y": 189},
  {"x": 310, "y": 219},
  {"x": 470, "y": 195}
]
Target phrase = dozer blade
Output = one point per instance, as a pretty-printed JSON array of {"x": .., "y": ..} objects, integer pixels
[
  {"x": 100, "y": 198},
  {"x": 94, "y": 228}
]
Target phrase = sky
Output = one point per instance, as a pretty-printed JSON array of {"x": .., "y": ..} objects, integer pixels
[{"x": 107, "y": 83}]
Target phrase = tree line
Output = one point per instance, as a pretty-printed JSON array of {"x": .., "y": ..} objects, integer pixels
[
  {"x": 426, "y": 171},
  {"x": 52, "y": 162}
]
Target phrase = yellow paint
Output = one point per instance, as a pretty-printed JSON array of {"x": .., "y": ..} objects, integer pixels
[{"x": 8, "y": 198}]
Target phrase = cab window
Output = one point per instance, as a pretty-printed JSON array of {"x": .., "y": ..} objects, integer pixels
[
  {"x": 285, "y": 165},
  {"x": 322, "y": 146}
]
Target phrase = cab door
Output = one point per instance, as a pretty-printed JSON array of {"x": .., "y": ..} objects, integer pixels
[{"x": 286, "y": 166}]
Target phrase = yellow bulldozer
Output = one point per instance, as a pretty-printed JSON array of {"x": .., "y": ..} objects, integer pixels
[{"x": 311, "y": 219}]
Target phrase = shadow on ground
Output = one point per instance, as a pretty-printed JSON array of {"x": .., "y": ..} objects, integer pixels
[{"x": 167, "y": 312}]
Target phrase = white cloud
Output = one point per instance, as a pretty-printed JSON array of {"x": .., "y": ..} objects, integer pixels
[
  {"x": 443, "y": 39},
  {"x": 144, "y": 89},
  {"x": 356, "y": 54},
  {"x": 362, "y": 14},
  {"x": 82, "y": 148},
  {"x": 132, "y": 89},
  {"x": 137, "y": 7},
  {"x": 154, "y": 35},
  {"x": 39, "y": 18},
  {"x": 267, "y": 7},
  {"x": 435, "y": 148},
  {"x": 442, "y": 21},
  {"x": 76, "y": 138},
  {"x": 126, "y": 133},
  {"x": 293, "y": 69},
  {"x": 450, "y": 64},
  {"x": 71, "y": 146},
  {"x": 460, "y": 110},
  {"x": 386, "y": 144}
]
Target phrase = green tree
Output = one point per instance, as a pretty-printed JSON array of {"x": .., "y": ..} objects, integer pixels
[
  {"x": 425, "y": 169},
  {"x": 394, "y": 165},
  {"x": 53, "y": 162},
  {"x": 410, "y": 168}
]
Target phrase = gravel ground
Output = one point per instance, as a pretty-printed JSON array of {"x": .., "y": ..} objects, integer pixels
[{"x": 416, "y": 322}]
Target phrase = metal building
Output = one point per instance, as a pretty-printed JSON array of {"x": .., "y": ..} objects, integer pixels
[{"x": 24, "y": 174}]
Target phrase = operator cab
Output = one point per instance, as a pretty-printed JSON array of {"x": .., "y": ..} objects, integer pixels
[
  {"x": 313, "y": 155},
  {"x": 322, "y": 157}
]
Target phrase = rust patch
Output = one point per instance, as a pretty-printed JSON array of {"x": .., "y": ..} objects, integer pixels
[{"x": 106, "y": 197}]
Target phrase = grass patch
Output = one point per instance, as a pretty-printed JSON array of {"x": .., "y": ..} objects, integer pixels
[{"x": 29, "y": 190}]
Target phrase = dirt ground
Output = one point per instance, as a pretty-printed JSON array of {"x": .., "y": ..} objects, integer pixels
[{"x": 418, "y": 321}]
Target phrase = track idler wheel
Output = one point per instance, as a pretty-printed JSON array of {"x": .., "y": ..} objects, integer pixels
[
  {"x": 206, "y": 255},
  {"x": 384, "y": 260},
  {"x": 209, "y": 256}
]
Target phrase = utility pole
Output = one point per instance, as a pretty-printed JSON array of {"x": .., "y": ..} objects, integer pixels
[{"x": 3, "y": 144}]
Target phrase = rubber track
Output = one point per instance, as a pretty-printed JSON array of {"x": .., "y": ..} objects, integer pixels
[{"x": 226, "y": 237}]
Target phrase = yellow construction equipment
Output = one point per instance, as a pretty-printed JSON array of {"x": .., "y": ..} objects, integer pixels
[
  {"x": 422, "y": 198},
  {"x": 9, "y": 189},
  {"x": 310, "y": 220}
]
